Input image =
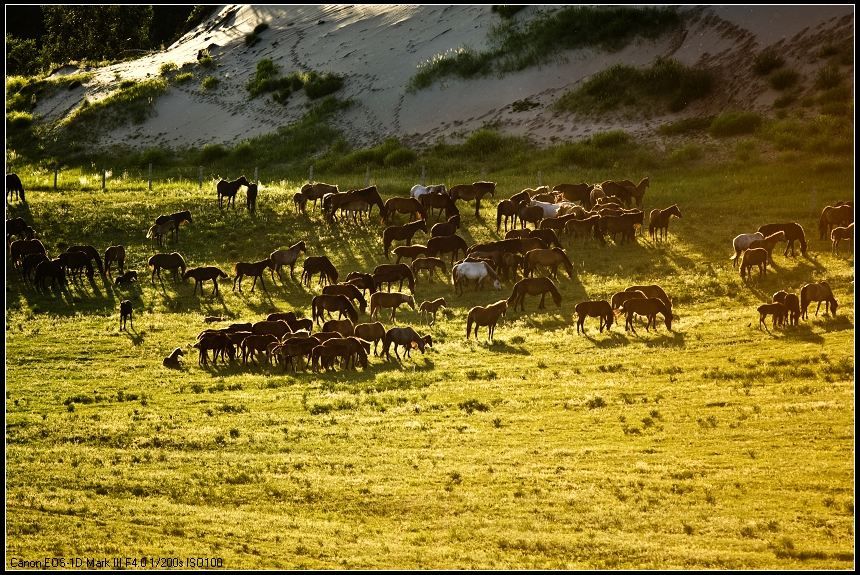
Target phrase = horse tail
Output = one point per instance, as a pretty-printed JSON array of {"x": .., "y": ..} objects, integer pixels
[
  {"x": 469, "y": 325},
  {"x": 151, "y": 233},
  {"x": 802, "y": 240},
  {"x": 498, "y": 217},
  {"x": 822, "y": 225}
]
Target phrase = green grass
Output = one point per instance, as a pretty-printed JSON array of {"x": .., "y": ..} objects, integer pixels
[
  {"x": 783, "y": 79},
  {"x": 268, "y": 79},
  {"x": 686, "y": 126},
  {"x": 667, "y": 84},
  {"x": 132, "y": 102},
  {"x": 209, "y": 83},
  {"x": 734, "y": 123},
  {"x": 715, "y": 446}
]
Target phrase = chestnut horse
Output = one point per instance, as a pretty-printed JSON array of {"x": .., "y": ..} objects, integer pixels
[
  {"x": 229, "y": 189},
  {"x": 819, "y": 292},
  {"x": 648, "y": 307},
  {"x": 533, "y": 286},
  {"x": 404, "y": 232},
  {"x": 598, "y": 308},
  {"x": 488, "y": 316}
]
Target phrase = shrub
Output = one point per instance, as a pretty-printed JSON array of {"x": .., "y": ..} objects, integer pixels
[
  {"x": 400, "y": 157},
  {"x": 734, "y": 124},
  {"x": 184, "y": 77},
  {"x": 782, "y": 79},
  {"x": 463, "y": 62},
  {"x": 318, "y": 85},
  {"x": 261, "y": 27},
  {"x": 766, "y": 62},
  {"x": 206, "y": 62},
  {"x": 126, "y": 84},
  {"x": 132, "y": 101},
  {"x": 212, "y": 153},
  {"x": 209, "y": 82},
  {"x": 167, "y": 68},
  {"x": 828, "y": 77},
  {"x": 506, "y": 11},
  {"x": 686, "y": 126},
  {"x": 18, "y": 120}
]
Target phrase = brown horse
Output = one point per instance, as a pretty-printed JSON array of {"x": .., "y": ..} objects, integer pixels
[
  {"x": 14, "y": 186},
  {"x": 576, "y": 193},
  {"x": 429, "y": 264},
  {"x": 552, "y": 258},
  {"x": 333, "y": 302},
  {"x": 620, "y": 297},
  {"x": 255, "y": 269},
  {"x": 125, "y": 313},
  {"x": 391, "y": 300},
  {"x": 345, "y": 327},
  {"x": 404, "y": 232},
  {"x": 410, "y": 252},
  {"x": 658, "y": 221},
  {"x": 453, "y": 244},
  {"x": 507, "y": 210},
  {"x": 768, "y": 244},
  {"x": 92, "y": 253},
  {"x": 488, "y": 316},
  {"x": 288, "y": 257},
  {"x": 115, "y": 254},
  {"x": 530, "y": 214},
  {"x": 811, "y": 292},
  {"x": 75, "y": 264},
  {"x": 474, "y": 191},
  {"x": 585, "y": 228},
  {"x": 448, "y": 228},
  {"x": 319, "y": 265},
  {"x": 754, "y": 257},
  {"x": 202, "y": 274},
  {"x": 390, "y": 273},
  {"x": 316, "y": 190},
  {"x": 637, "y": 191},
  {"x": 428, "y": 309},
  {"x": 408, "y": 338},
  {"x": 839, "y": 233},
  {"x": 653, "y": 291},
  {"x": 349, "y": 291},
  {"x": 792, "y": 304},
  {"x": 436, "y": 201},
  {"x": 597, "y": 308},
  {"x": 374, "y": 332},
  {"x": 841, "y": 214},
  {"x": 409, "y": 206},
  {"x": 533, "y": 286},
  {"x": 229, "y": 189},
  {"x": 177, "y": 218},
  {"x": 793, "y": 232},
  {"x": 648, "y": 307},
  {"x": 362, "y": 281},
  {"x": 776, "y": 309},
  {"x": 172, "y": 261}
]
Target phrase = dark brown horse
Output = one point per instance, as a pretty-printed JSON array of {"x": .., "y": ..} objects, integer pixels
[
  {"x": 488, "y": 316},
  {"x": 229, "y": 189},
  {"x": 429, "y": 264},
  {"x": 552, "y": 258},
  {"x": 776, "y": 309},
  {"x": 838, "y": 234},
  {"x": 841, "y": 214},
  {"x": 390, "y": 273},
  {"x": 436, "y": 201},
  {"x": 769, "y": 243},
  {"x": 533, "y": 286},
  {"x": 14, "y": 186},
  {"x": 177, "y": 218},
  {"x": 658, "y": 221},
  {"x": 428, "y": 309},
  {"x": 811, "y": 292},
  {"x": 115, "y": 254},
  {"x": 404, "y": 232},
  {"x": 791, "y": 303},
  {"x": 793, "y": 232},
  {"x": 319, "y": 265},
  {"x": 93, "y": 254},
  {"x": 202, "y": 274},
  {"x": 474, "y": 191},
  {"x": 330, "y": 303},
  {"x": 373, "y": 332},
  {"x": 172, "y": 261},
  {"x": 649, "y": 308},
  {"x": 254, "y": 269},
  {"x": 391, "y": 300},
  {"x": 597, "y": 308},
  {"x": 288, "y": 257},
  {"x": 754, "y": 257},
  {"x": 350, "y": 291},
  {"x": 619, "y": 298},
  {"x": 406, "y": 337},
  {"x": 576, "y": 193},
  {"x": 530, "y": 214},
  {"x": 411, "y": 252},
  {"x": 409, "y": 206},
  {"x": 447, "y": 244},
  {"x": 316, "y": 190},
  {"x": 362, "y": 281},
  {"x": 448, "y": 228},
  {"x": 507, "y": 210}
]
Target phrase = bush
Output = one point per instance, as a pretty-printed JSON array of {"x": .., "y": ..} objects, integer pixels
[
  {"x": 400, "y": 157},
  {"x": 167, "y": 68},
  {"x": 766, "y": 62},
  {"x": 18, "y": 120},
  {"x": 132, "y": 101},
  {"x": 462, "y": 62},
  {"x": 686, "y": 126},
  {"x": 126, "y": 84},
  {"x": 506, "y": 11},
  {"x": 783, "y": 79},
  {"x": 209, "y": 82},
  {"x": 261, "y": 27},
  {"x": 735, "y": 124},
  {"x": 206, "y": 62},
  {"x": 828, "y": 77},
  {"x": 184, "y": 77},
  {"x": 318, "y": 85},
  {"x": 212, "y": 153}
]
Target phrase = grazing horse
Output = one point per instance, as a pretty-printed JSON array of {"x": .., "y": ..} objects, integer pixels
[
  {"x": 596, "y": 194},
  {"x": 349, "y": 291},
  {"x": 793, "y": 231},
  {"x": 17, "y": 226},
  {"x": 417, "y": 190},
  {"x": 597, "y": 308},
  {"x": 741, "y": 243},
  {"x": 344, "y": 327},
  {"x": 14, "y": 185},
  {"x": 158, "y": 231},
  {"x": 75, "y": 262},
  {"x": 776, "y": 309},
  {"x": 576, "y": 193},
  {"x": 410, "y": 252},
  {"x": 453, "y": 244},
  {"x": 473, "y": 271},
  {"x": 530, "y": 214},
  {"x": 20, "y": 248},
  {"x": 373, "y": 332},
  {"x": 317, "y": 190},
  {"x": 286, "y": 257},
  {"x": 172, "y": 261},
  {"x": 768, "y": 243},
  {"x": 229, "y": 189},
  {"x": 391, "y": 300},
  {"x": 649, "y": 308},
  {"x": 658, "y": 221},
  {"x": 792, "y": 304},
  {"x": 115, "y": 254},
  {"x": 586, "y": 228},
  {"x": 507, "y": 210},
  {"x": 29, "y": 263},
  {"x": 51, "y": 271},
  {"x": 428, "y": 309},
  {"x": 178, "y": 219},
  {"x": 334, "y": 302},
  {"x": 125, "y": 313},
  {"x": 91, "y": 253},
  {"x": 372, "y": 197},
  {"x": 533, "y": 286},
  {"x": 436, "y": 201},
  {"x": 653, "y": 291},
  {"x": 362, "y": 281},
  {"x": 474, "y": 191},
  {"x": 841, "y": 214},
  {"x": 256, "y": 269},
  {"x": 811, "y": 292},
  {"x": 404, "y": 232},
  {"x": 619, "y": 298},
  {"x": 637, "y": 191},
  {"x": 429, "y": 264},
  {"x": 839, "y": 233},
  {"x": 488, "y": 316},
  {"x": 448, "y": 228},
  {"x": 407, "y": 337},
  {"x": 202, "y": 274},
  {"x": 390, "y": 273},
  {"x": 754, "y": 257},
  {"x": 126, "y": 278},
  {"x": 550, "y": 257},
  {"x": 319, "y": 265},
  {"x": 300, "y": 201},
  {"x": 409, "y": 206}
]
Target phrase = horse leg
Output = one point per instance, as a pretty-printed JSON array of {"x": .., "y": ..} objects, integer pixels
[
  {"x": 238, "y": 278},
  {"x": 542, "y": 298}
]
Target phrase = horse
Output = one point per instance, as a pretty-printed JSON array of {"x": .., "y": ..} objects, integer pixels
[
  {"x": 202, "y": 274},
  {"x": 407, "y": 337},
  {"x": 792, "y": 304},
  {"x": 125, "y": 314},
  {"x": 533, "y": 286},
  {"x": 417, "y": 190},
  {"x": 349, "y": 291},
  {"x": 370, "y": 195},
  {"x": 585, "y": 227},
  {"x": 768, "y": 243},
  {"x": 477, "y": 271},
  {"x": 381, "y": 300},
  {"x": 617, "y": 189},
  {"x": 229, "y": 190},
  {"x": 530, "y": 214},
  {"x": 29, "y": 263},
  {"x": 841, "y": 214},
  {"x": 345, "y": 327},
  {"x": 842, "y": 233},
  {"x": 390, "y": 273},
  {"x": 75, "y": 262},
  {"x": 551, "y": 257},
  {"x": 409, "y": 206},
  {"x": 648, "y": 307},
  {"x": 158, "y": 231},
  {"x": 576, "y": 193},
  {"x": 404, "y": 232},
  {"x": 286, "y": 257},
  {"x": 452, "y": 244},
  {"x": 319, "y": 265},
  {"x": 373, "y": 332},
  {"x": 172, "y": 261},
  {"x": 256, "y": 269},
  {"x": 428, "y": 309},
  {"x": 178, "y": 218},
  {"x": 474, "y": 191},
  {"x": 300, "y": 201},
  {"x": 410, "y": 252},
  {"x": 437, "y": 201},
  {"x": 333, "y": 302},
  {"x": 255, "y": 344},
  {"x": 429, "y": 264},
  {"x": 448, "y": 228},
  {"x": 741, "y": 243},
  {"x": 597, "y": 308},
  {"x": 506, "y": 209},
  {"x": 172, "y": 360},
  {"x": 637, "y": 191},
  {"x": 776, "y": 309},
  {"x": 93, "y": 254},
  {"x": 811, "y": 292},
  {"x": 125, "y": 278},
  {"x": 316, "y": 190},
  {"x": 20, "y": 248},
  {"x": 625, "y": 224},
  {"x": 362, "y": 281},
  {"x": 219, "y": 343},
  {"x": 550, "y": 210},
  {"x": 14, "y": 185},
  {"x": 16, "y": 226},
  {"x": 251, "y": 198},
  {"x": 754, "y": 257},
  {"x": 349, "y": 348},
  {"x": 793, "y": 231},
  {"x": 488, "y": 316},
  {"x": 51, "y": 271},
  {"x": 619, "y": 298},
  {"x": 115, "y": 254},
  {"x": 653, "y": 291},
  {"x": 658, "y": 221}
]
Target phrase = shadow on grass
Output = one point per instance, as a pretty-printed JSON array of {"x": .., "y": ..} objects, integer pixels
[
  {"x": 803, "y": 332},
  {"x": 612, "y": 339},
  {"x": 499, "y": 346},
  {"x": 676, "y": 339},
  {"x": 134, "y": 336}
]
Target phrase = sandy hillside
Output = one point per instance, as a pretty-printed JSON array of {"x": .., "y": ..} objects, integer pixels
[{"x": 378, "y": 47}]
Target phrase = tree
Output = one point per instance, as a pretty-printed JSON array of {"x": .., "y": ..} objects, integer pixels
[{"x": 94, "y": 32}]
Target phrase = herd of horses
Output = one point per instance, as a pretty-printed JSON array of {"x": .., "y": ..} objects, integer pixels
[{"x": 611, "y": 208}]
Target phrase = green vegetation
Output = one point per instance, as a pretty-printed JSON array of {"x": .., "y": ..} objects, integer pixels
[
  {"x": 267, "y": 79},
  {"x": 183, "y": 77},
  {"x": 506, "y": 11},
  {"x": 766, "y": 62},
  {"x": 209, "y": 83},
  {"x": 783, "y": 79},
  {"x": 206, "y": 62},
  {"x": 735, "y": 124},
  {"x": 828, "y": 77},
  {"x": 715, "y": 446},
  {"x": 23, "y": 92},
  {"x": 18, "y": 120},
  {"x": 252, "y": 38},
  {"x": 686, "y": 126},
  {"x": 517, "y": 46},
  {"x": 667, "y": 84},
  {"x": 168, "y": 68},
  {"x": 132, "y": 102}
]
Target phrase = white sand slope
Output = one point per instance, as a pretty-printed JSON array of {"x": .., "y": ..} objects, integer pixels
[{"x": 378, "y": 47}]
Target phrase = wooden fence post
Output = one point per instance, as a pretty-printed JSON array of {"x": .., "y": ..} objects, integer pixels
[
  {"x": 200, "y": 177},
  {"x": 540, "y": 178},
  {"x": 104, "y": 179},
  {"x": 149, "y": 176},
  {"x": 423, "y": 176},
  {"x": 256, "y": 175},
  {"x": 56, "y": 171}
]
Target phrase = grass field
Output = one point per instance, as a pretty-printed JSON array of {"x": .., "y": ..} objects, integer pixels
[{"x": 715, "y": 446}]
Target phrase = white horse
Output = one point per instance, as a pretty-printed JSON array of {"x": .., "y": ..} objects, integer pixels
[
  {"x": 549, "y": 210},
  {"x": 741, "y": 243},
  {"x": 478, "y": 271},
  {"x": 417, "y": 190}
]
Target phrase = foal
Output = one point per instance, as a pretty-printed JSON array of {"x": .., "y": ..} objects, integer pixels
[
  {"x": 125, "y": 314},
  {"x": 428, "y": 309},
  {"x": 255, "y": 269}
]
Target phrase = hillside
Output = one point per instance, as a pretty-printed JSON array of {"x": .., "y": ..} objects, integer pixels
[{"x": 377, "y": 49}]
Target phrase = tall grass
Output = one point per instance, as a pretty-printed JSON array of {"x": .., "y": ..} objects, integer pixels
[
  {"x": 133, "y": 102},
  {"x": 267, "y": 79},
  {"x": 734, "y": 123}
]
